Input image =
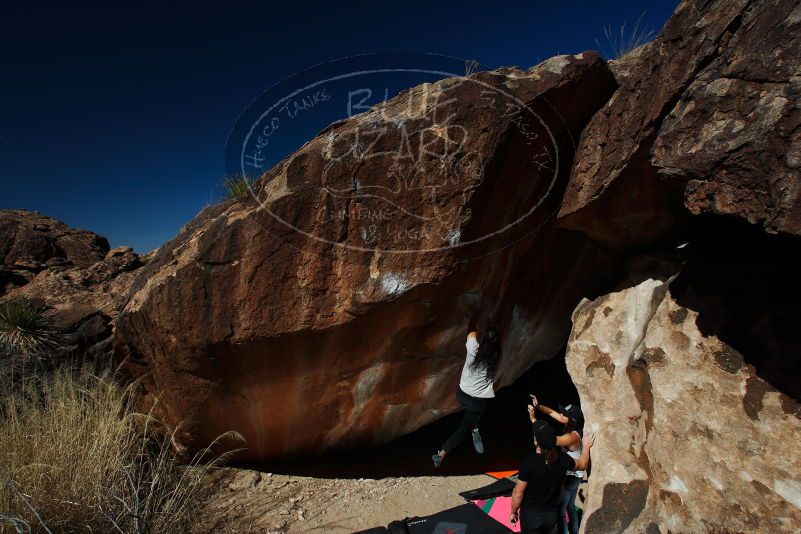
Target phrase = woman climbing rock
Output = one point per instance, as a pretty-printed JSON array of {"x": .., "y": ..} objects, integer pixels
[
  {"x": 570, "y": 440},
  {"x": 475, "y": 389}
]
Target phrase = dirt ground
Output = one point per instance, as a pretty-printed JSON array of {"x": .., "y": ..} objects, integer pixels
[
  {"x": 250, "y": 501},
  {"x": 354, "y": 490}
]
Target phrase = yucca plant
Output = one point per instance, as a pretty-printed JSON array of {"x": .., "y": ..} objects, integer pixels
[
  {"x": 237, "y": 186},
  {"x": 25, "y": 328},
  {"x": 621, "y": 43}
]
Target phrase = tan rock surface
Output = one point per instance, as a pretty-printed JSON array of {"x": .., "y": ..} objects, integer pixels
[{"x": 690, "y": 439}]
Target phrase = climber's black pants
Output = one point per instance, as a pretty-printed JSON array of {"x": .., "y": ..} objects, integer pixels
[{"x": 474, "y": 408}]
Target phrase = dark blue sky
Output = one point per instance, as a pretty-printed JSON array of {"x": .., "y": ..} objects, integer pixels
[{"x": 115, "y": 118}]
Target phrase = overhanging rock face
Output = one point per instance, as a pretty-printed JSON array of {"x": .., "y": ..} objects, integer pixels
[
  {"x": 706, "y": 121},
  {"x": 330, "y": 309}
]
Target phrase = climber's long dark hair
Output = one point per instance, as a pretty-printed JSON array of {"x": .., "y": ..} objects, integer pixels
[{"x": 489, "y": 353}]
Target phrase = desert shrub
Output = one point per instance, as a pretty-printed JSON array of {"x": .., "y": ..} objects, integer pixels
[
  {"x": 27, "y": 339},
  {"x": 25, "y": 328},
  {"x": 76, "y": 458},
  {"x": 619, "y": 44},
  {"x": 237, "y": 186}
]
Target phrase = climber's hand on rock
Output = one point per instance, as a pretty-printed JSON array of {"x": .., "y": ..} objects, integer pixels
[
  {"x": 472, "y": 322},
  {"x": 589, "y": 439}
]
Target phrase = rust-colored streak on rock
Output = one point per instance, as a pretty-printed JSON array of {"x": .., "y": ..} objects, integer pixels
[{"x": 640, "y": 380}]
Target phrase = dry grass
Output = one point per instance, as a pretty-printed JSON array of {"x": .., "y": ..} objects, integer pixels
[
  {"x": 622, "y": 43},
  {"x": 471, "y": 67},
  {"x": 76, "y": 458}
]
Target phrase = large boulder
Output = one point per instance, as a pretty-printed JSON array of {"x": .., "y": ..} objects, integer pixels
[
  {"x": 705, "y": 121},
  {"x": 691, "y": 437},
  {"x": 330, "y": 308}
]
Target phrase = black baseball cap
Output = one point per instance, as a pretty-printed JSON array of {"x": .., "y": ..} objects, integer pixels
[
  {"x": 572, "y": 411},
  {"x": 544, "y": 434}
]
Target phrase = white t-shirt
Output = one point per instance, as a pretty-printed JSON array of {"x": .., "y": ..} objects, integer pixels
[
  {"x": 475, "y": 383},
  {"x": 575, "y": 455}
]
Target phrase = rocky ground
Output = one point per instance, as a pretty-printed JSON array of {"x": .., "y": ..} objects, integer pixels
[{"x": 251, "y": 501}]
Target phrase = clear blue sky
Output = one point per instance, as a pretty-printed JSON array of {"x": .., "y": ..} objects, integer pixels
[{"x": 115, "y": 118}]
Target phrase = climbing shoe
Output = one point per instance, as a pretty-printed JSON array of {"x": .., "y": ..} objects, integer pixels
[
  {"x": 437, "y": 459},
  {"x": 477, "y": 443}
]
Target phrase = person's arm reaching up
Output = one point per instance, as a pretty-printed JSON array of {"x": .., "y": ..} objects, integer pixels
[
  {"x": 584, "y": 460},
  {"x": 553, "y": 413},
  {"x": 472, "y": 324},
  {"x": 565, "y": 440},
  {"x": 532, "y": 413}
]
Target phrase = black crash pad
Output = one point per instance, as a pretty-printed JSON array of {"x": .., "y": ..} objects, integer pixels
[
  {"x": 498, "y": 488},
  {"x": 464, "y": 519}
]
